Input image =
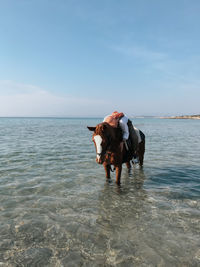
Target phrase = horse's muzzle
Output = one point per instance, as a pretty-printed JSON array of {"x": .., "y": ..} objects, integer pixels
[
  {"x": 99, "y": 158},
  {"x": 99, "y": 161}
]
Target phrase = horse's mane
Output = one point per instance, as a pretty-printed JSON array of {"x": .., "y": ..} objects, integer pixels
[
  {"x": 100, "y": 128},
  {"x": 105, "y": 129}
]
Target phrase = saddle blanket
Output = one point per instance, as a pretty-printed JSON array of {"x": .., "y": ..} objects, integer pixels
[{"x": 137, "y": 131}]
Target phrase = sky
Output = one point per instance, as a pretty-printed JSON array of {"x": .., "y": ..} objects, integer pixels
[{"x": 87, "y": 58}]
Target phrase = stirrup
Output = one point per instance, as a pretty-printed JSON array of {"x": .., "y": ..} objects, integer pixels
[
  {"x": 112, "y": 170},
  {"x": 135, "y": 160}
]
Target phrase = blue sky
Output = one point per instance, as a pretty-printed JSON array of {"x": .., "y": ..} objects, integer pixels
[{"x": 88, "y": 58}]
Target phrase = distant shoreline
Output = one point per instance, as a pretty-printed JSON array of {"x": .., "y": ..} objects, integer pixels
[{"x": 193, "y": 117}]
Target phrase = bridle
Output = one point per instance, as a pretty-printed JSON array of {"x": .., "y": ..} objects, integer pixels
[
  {"x": 106, "y": 152},
  {"x": 108, "y": 145}
]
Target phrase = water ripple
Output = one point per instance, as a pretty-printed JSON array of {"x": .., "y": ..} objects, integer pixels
[{"x": 57, "y": 209}]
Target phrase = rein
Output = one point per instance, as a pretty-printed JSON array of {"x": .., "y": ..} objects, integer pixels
[{"x": 108, "y": 153}]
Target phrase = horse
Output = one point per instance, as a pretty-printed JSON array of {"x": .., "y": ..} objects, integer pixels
[{"x": 107, "y": 140}]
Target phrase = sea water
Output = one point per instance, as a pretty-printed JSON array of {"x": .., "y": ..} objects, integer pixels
[{"x": 57, "y": 209}]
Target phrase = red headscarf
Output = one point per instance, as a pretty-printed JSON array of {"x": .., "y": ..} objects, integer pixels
[{"x": 117, "y": 114}]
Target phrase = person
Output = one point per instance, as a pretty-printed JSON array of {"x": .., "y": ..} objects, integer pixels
[{"x": 119, "y": 118}]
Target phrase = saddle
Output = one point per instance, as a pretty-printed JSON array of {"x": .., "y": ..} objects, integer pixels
[{"x": 134, "y": 138}]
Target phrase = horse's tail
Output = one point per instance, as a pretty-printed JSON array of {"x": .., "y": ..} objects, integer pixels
[
  {"x": 142, "y": 147},
  {"x": 142, "y": 135}
]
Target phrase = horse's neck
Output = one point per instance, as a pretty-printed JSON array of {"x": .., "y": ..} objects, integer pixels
[
  {"x": 114, "y": 140},
  {"x": 114, "y": 146}
]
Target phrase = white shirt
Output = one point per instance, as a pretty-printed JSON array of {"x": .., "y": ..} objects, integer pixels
[{"x": 123, "y": 124}]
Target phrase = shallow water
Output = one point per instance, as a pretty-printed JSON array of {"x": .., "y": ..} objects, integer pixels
[{"x": 57, "y": 209}]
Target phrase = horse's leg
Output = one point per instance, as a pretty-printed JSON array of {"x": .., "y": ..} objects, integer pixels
[
  {"x": 141, "y": 152},
  {"x": 141, "y": 158},
  {"x": 118, "y": 173},
  {"x": 128, "y": 165},
  {"x": 107, "y": 170}
]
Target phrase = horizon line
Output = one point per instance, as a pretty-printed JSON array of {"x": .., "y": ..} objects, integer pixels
[{"x": 78, "y": 117}]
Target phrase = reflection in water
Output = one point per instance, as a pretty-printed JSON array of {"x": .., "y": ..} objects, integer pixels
[
  {"x": 135, "y": 178},
  {"x": 121, "y": 209}
]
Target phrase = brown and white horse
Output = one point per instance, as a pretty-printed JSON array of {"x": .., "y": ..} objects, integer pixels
[{"x": 107, "y": 141}]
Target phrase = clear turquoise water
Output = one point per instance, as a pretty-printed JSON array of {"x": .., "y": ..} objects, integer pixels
[{"x": 56, "y": 208}]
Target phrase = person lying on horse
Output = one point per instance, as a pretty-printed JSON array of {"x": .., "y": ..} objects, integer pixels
[{"x": 129, "y": 134}]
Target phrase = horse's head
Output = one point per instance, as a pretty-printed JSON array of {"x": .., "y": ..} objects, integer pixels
[{"x": 102, "y": 139}]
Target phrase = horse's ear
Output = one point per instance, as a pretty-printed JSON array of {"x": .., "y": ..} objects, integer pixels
[{"x": 91, "y": 128}]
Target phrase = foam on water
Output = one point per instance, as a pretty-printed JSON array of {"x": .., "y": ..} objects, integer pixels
[{"x": 57, "y": 209}]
